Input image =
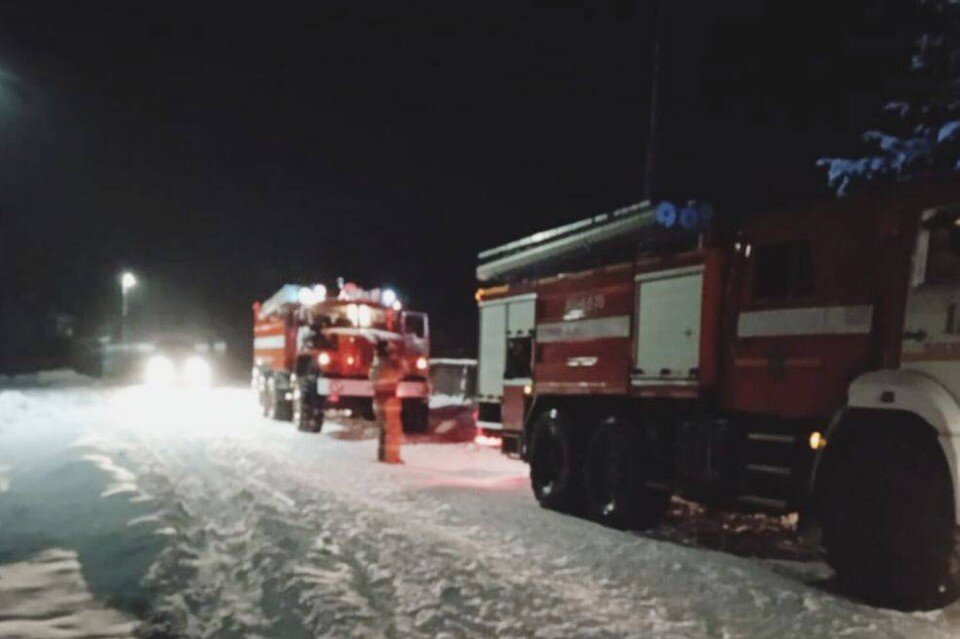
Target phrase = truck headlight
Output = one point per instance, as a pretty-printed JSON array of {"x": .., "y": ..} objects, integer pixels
[
  {"x": 323, "y": 358},
  {"x": 197, "y": 372},
  {"x": 817, "y": 440},
  {"x": 159, "y": 371},
  {"x": 421, "y": 363}
]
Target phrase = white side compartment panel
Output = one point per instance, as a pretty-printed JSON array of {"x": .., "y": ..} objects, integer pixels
[
  {"x": 493, "y": 350},
  {"x": 668, "y": 330}
]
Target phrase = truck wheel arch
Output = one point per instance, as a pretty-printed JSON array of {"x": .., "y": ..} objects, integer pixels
[
  {"x": 581, "y": 411},
  {"x": 915, "y": 398}
]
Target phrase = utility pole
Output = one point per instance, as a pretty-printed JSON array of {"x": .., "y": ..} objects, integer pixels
[
  {"x": 650, "y": 165},
  {"x": 127, "y": 282}
]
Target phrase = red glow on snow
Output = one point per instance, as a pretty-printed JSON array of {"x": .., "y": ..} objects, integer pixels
[
  {"x": 487, "y": 440},
  {"x": 498, "y": 483}
]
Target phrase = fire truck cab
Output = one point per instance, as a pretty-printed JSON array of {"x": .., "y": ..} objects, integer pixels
[
  {"x": 801, "y": 360},
  {"x": 313, "y": 352}
]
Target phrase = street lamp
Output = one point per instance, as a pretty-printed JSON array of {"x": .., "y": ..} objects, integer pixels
[{"x": 128, "y": 281}]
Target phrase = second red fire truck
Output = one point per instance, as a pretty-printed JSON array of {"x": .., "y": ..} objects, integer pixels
[
  {"x": 804, "y": 360},
  {"x": 312, "y": 352}
]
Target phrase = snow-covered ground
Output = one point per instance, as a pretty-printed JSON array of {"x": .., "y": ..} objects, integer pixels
[
  {"x": 46, "y": 596},
  {"x": 188, "y": 513}
]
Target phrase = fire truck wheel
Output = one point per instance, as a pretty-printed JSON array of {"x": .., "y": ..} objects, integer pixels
[
  {"x": 555, "y": 464},
  {"x": 366, "y": 411},
  {"x": 414, "y": 415},
  {"x": 886, "y": 504},
  {"x": 270, "y": 400},
  {"x": 307, "y": 411},
  {"x": 616, "y": 479},
  {"x": 277, "y": 405},
  {"x": 263, "y": 396}
]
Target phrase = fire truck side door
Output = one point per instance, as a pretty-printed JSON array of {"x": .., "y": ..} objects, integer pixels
[
  {"x": 493, "y": 350},
  {"x": 416, "y": 333},
  {"x": 931, "y": 331},
  {"x": 805, "y": 313},
  {"x": 520, "y": 326},
  {"x": 667, "y": 348}
]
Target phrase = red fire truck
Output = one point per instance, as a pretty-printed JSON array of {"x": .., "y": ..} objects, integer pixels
[
  {"x": 312, "y": 352},
  {"x": 802, "y": 360}
]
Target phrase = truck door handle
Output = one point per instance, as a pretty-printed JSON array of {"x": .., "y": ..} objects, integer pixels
[{"x": 917, "y": 336}]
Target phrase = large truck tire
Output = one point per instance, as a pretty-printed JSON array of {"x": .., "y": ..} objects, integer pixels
[
  {"x": 270, "y": 399},
  {"x": 414, "y": 415},
  {"x": 555, "y": 461},
  {"x": 886, "y": 504},
  {"x": 366, "y": 410},
  {"x": 617, "y": 479},
  {"x": 307, "y": 405},
  {"x": 263, "y": 396},
  {"x": 278, "y": 406}
]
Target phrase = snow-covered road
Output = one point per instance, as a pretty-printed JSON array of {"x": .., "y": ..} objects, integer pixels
[{"x": 190, "y": 512}]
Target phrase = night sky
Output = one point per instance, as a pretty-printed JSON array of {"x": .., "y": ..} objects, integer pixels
[{"x": 220, "y": 152}]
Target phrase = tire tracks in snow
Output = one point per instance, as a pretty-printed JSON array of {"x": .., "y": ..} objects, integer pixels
[{"x": 279, "y": 534}]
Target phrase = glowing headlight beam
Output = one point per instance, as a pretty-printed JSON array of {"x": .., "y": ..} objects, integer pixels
[
  {"x": 364, "y": 316},
  {"x": 128, "y": 280},
  {"x": 197, "y": 372},
  {"x": 388, "y": 297},
  {"x": 159, "y": 371}
]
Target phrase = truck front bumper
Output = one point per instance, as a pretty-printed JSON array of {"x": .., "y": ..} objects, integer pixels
[
  {"x": 364, "y": 388},
  {"x": 411, "y": 389}
]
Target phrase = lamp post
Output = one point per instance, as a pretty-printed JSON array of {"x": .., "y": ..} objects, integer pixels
[
  {"x": 128, "y": 281},
  {"x": 650, "y": 165}
]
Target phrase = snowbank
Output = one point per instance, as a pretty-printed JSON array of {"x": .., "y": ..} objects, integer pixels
[{"x": 58, "y": 378}]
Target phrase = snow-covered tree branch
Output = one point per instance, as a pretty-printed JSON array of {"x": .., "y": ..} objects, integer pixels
[{"x": 921, "y": 129}]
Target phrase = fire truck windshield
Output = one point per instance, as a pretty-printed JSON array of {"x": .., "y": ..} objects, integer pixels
[{"x": 358, "y": 315}]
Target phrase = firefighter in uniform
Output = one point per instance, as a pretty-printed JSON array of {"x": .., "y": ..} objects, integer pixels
[{"x": 386, "y": 370}]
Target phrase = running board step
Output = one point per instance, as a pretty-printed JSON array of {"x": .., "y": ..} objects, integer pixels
[
  {"x": 772, "y": 438},
  {"x": 765, "y": 502},
  {"x": 657, "y": 485},
  {"x": 767, "y": 469}
]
